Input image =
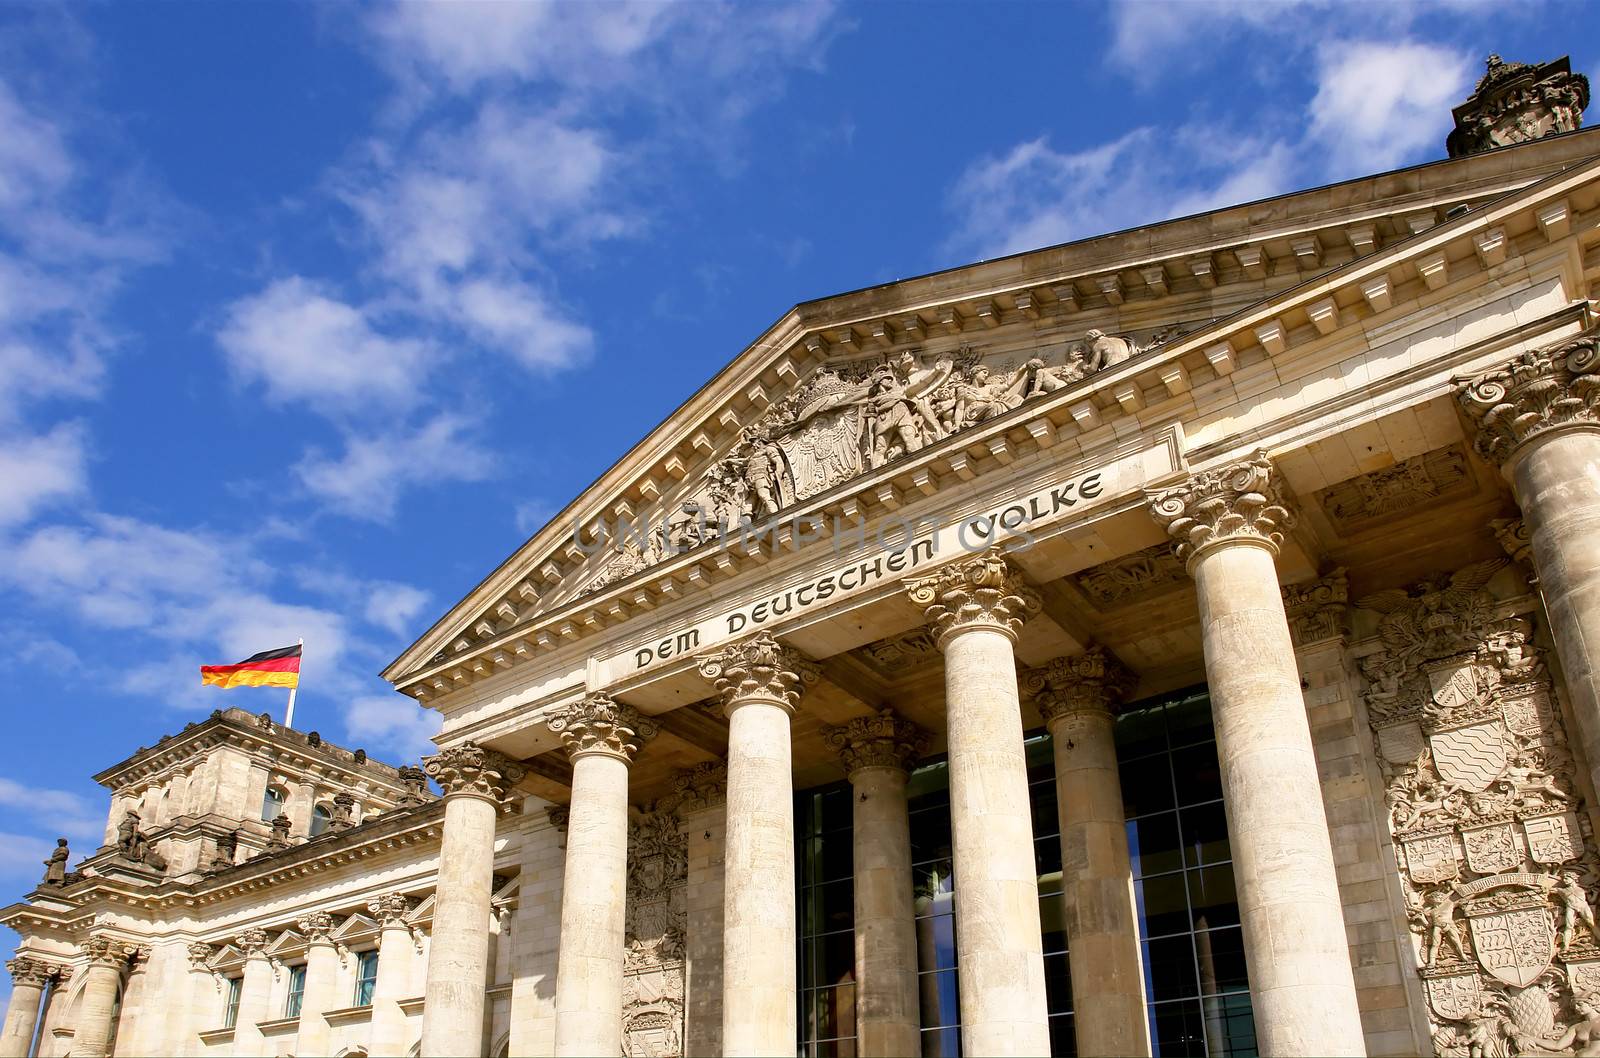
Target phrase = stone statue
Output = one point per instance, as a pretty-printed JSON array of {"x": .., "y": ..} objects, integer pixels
[
  {"x": 763, "y": 471},
  {"x": 55, "y": 868},
  {"x": 133, "y": 845},
  {"x": 1050, "y": 379},
  {"x": 1586, "y": 1033},
  {"x": 1101, "y": 350},
  {"x": 1572, "y": 909},
  {"x": 1438, "y": 917},
  {"x": 227, "y": 848}
]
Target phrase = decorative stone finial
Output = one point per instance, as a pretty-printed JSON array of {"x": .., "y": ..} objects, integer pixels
[
  {"x": 701, "y": 787},
  {"x": 280, "y": 832},
  {"x": 599, "y": 724},
  {"x": 390, "y": 909},
  {"x": 1239, "y": 502},
  {"x": 883, "y": 740},
  {"x": 1515, "y": 102},
  {"x": 253, "y": 942},
  {"x": 1535, "y": 393},
  {"x": 316, "y": 927},
  {"x": 344, "y": 811},
  {"x": 758, "y": 669},
  {"x": 471, "y": 770},
  {"x": 984, "y": 591},
  {"x": 1091, "y": 682},
  {"x": 1318, "y": 610},
  {"x": 27, "y": 971},
  {"x": 415, "y": 781}
]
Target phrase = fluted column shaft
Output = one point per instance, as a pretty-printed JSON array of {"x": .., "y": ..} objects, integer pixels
[
  {"x": 1075, "y": 696},
  {"x": 475, "y": 782},
  {"x": 255, "y": 994},
  {"x": 91, "y": 1035},
  {"x": 878, "y": 753},
  {"x": 759, "y": 681},
  {"x": 28, "y": 980},
  {"x": 322, "y": 975},
  {"x": 1229, "y": 525},
  {"x": 601, "y": 737},
  {"x": 388, "y": 1038},
  {"x": 976, "y": 608}
]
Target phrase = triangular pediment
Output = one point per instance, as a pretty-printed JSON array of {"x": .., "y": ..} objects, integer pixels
[
  {"x": 851, "y": 388},
  {"x": 228, "y": 957},
  {"x": 355, "y": 928},
  {"x": 288, "y": 943}
]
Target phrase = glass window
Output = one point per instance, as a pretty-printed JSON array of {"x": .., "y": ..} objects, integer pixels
[
  {"x": 366, "y": 977},
  {"x": 321, "y": 816},
  {"x": 272, "y": 803},
  {"x": 230, "y": 1012},
  {"x": 297, "y": 991}
]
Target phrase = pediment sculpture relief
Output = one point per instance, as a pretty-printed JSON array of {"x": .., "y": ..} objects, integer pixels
[
  {"x": 844, "y": 421},
  {"x": 1496, "y": 853}
]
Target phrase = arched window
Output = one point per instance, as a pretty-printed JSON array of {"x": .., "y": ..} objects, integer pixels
[
  {"x": 321, "y": 816},
  {"x": 272, "y": 803}
]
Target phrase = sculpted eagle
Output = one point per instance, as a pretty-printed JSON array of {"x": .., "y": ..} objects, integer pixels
[{"x": 1433, "y": 613}]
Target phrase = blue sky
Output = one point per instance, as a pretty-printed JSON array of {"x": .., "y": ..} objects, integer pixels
[{"x": 310, "y": 314}]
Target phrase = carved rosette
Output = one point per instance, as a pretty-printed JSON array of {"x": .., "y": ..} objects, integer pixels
[
  {"x": 597, "y": 724},
  {"x": 758, "y": 669},
  {"x": 200, "y": 955},
  {"x": 1318, "y": 610},
  {"x": 1093, "y": 682},
  {"x": 883, "y": 740},
  {"x": 1535, "y": 393},
  {"x": 1239, "y": 503},
  {"x": 701, "y": 787},
  {"x": 983, "y": 592},
  {"x": 253, "y": 942},
  {"x": 28, "y": 972},
  {"x": 317, "y": 927},
  {"x": 469, "y": 770},
  {"x": 389, "y": 910}
]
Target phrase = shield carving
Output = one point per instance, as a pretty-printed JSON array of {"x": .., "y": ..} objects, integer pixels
[
  {"x": 1513, "y": 943},
  {"x": 1471, "y": 757},
  {"x": 1523, "y": 711},
  {"x": 1431, "y": 857},
  {"x": 1584, "y": 975},
  {"x": 1491, "y": 849},
  {"x": 1454, "y": 686},
  {"x": 1454, "y": 997},
  {"x": 1400, "y": 743},
  {"x": 1553, "y": 838}
]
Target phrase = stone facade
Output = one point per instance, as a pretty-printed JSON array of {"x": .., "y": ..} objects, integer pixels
[{"x": 890, "y": 614}]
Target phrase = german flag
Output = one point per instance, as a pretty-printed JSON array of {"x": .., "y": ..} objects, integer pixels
[{"x": 270, "y": 668}]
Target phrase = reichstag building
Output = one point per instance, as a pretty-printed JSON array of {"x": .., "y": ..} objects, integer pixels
[{"x": 1184, "y": 641}]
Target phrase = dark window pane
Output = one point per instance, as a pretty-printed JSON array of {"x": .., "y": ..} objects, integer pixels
[
  {"x": 1063, "y": 1040},
  {"x": 834, "y": 856},
  {"x": 1189, "y": 720},
  {"x": 1178, "y": 1029},
  {"x": 1198, "y": 777},
  {"x": 834, "y": 811},
  {"x": 1140, "y": 732},
  {"x": 1058, "y": 984},
  {"x": 936, "y": 943},
  {"x": 1041, "y": 758},
  {"x": 1205, "y": 834},
  {"x": 829, "y": 907},
  {"x": 1153, "y": 844},
  {"x": 931, "y": 886},
  {"x": 1163, "y": 904},
  {"x": 1146, "y": 786},
  {"x": 1220, "y": 953},
  {"x": 941, "y": 999},
  {"x": 833, "y": 1012},
  {"x": 833, "y": 959},
  {"x": 1212, "y": 897},
  {"x": 929, "y": 787},
  {"x": 941, "y": 1043},
  {"x": 1047, "y": 857},
  {"x": 1171, "y": 967},
  {"x": 930, "y": 835},
  {"x": 1230, "y": 1018},
  {"x": 1042, "y": 800},
  {"x": 835, "y": 1049},
  {"x": 1052, "y": 916}
]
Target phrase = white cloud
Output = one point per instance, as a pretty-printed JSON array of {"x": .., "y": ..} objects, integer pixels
[
  {"x": 39, "y": 471},
  {"x": 394, "y": 606},
  {"x": 531, "y": 515},
  {"x": 1378, "y": 103},
  {"x": 366, "y": 480},
  {"x": 60, "y": 812},
  {"x": 393, "y": 721},
  {"x": 301, "y": 345},
  {"x": 22, "y": 856}
]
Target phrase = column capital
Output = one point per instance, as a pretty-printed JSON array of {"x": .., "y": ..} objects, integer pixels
[
  {"x": 598, "y": 724},
  {"x": 317, "y": 927},
  {"x": 28, "y": 971},
  {"x": 1092, "y": 682},
  {"x": 253, "y": 942},
  {"x": 1319, "y": 609},
  {"x": 1547, "y": 389},
  {"x": 470, "y": 770},
  {"x": 701, "y": 787},
  {"x": 109, "y": 951},
  {"x": 981, "y": 592},
  {"x": 882, "y": 740},
  {"x": 1241, "y": 502},
  {"x": 390, "y": 909},
  {"x": 758, "y": 669},
  {"x": 200, "y": 955}
]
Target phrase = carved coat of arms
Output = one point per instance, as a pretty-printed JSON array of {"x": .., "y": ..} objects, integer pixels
[{"x": 1514, "y": 939}]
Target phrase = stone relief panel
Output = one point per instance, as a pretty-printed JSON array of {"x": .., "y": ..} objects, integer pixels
[
  {"x": 1495, "y": 850},
  {"x": 1131, "y": 577},
  {"x": 653, "y": 964},
  {"x": 1409, "y": 484}
]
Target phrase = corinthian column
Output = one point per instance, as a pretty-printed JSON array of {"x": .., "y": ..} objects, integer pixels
[
  {"x": 394, "y": 940},
  {"x": 1538, "y": 419},
  {"x": 28, "y": 979},
  {"x": 255, "y": 993},
  {"x": 1228, "y": 524},
  {"x": 476, "y": 781},
  {"x": 976, "y": 607},
  {"x": 108, "y": 957},
  {"x": 760, "y": 682},
  {"x": 1076, "y": 696},
  {"x": 601, "y": 737},
  {"x": 322, "y": 976},
  {"x": 878, "y": 753}
]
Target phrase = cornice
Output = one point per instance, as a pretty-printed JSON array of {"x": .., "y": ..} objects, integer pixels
[{"x": 1289, "y": 323}]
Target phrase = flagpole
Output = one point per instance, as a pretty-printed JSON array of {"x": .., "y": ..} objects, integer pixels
[{"x": 288, "y": 716}]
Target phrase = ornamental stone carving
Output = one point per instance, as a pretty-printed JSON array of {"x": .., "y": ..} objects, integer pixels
[
  {"x": 1091, "y": 682},
  {"x": 1410, "y": 484},
  {"x": 55, "y": 868},
  {"x": 1515, "y": 539},
  {"x": 759, "y": 668},
  {"x": 343, "y": 816},
  {"x": 701, "y": 787},
  {"x": 1318, "y": 610},
  {"x": 415, "y": 781},
  {"x": 558, "y": 815},
  {"x": 1535, "y": 393},
  {"x": 883, "y": 740},
  {"x": 1514, "y": 102},
  {"x": 980, "y": 592},
  {"x": 200, "y": 956},
  {"x": 390, "y": 909},
  {"x": 1496, "y": 855},
  {"x": 316, "y": 927},
  {"x": 27, "y": 971},
  {"x": 598, "y": 724},
  {"x": 1132, "y": 577},
  {"x": 1239, "y": 502},
  {"x": 109, "y": 951},
  {"x": 471, "y": 770},
  {"x": 253, "y": 942},
  {"x": 657, "y": 918},
  {"x": 279, "y": 838}
]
